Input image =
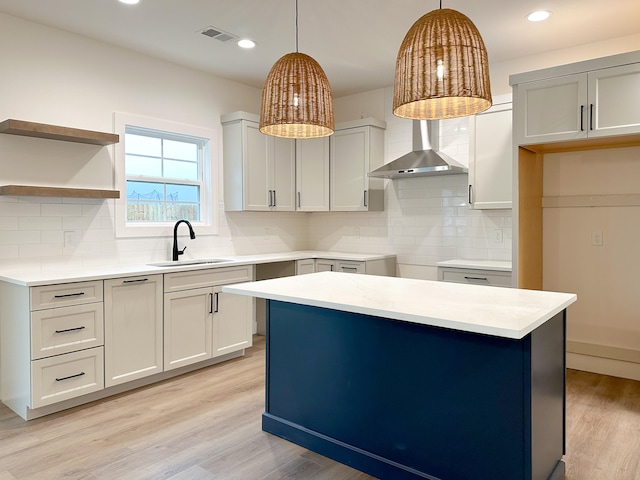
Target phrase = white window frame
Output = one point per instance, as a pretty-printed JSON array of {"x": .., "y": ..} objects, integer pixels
[{"x": 208, "y": 223}]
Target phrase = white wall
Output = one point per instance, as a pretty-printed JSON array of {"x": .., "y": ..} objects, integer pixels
[{"x": 50, "y": 76}]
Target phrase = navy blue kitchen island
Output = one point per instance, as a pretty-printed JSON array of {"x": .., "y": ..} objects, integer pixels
[{"x": 417, "y": 396}]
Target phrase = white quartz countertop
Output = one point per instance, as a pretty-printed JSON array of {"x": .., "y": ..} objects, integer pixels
[
  {"x": 497, "y": 265},
  {"x": 498, "y": 311},
  {"x": 30, "y": 278}
]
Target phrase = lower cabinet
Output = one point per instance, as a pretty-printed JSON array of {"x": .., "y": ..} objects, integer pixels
[
  {"x": 473, "y": 276},
  {"x": 133, "y": 328},
  {"x": 202, "y": 322},
  {"x": 381, "y": 266}
]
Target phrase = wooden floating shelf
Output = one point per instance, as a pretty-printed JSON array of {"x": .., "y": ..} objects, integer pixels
[
  {"x": 54, "y": 132},
  {"x": 34, "y": 191}
]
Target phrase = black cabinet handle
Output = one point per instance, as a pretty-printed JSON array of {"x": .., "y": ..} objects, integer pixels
[
  {"x": 476, "y": 278},
  {"x": 299, "y": 202},
  {"x": 217, "y": 303},
  {"x": 365, "y": 198},
  {"x": 591, "y": 117},
  {"x": 70, "y": 329},
  {"x": 582, "y": 118},
  {"x": 470, "y": 200},
  {"x": 70, "y": 376},
  {"x": 140, "y": 280},
  {"x": 211, "y": 303},
  {"x": 69, "y": 295},
  {"x": 275, "y": 201}
]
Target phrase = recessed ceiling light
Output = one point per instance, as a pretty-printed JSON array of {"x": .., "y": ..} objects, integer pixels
[
  {"x": 246, "y": 43},
  {"x": 538, "y": 15},
  {"x": 130, "y": 2}
]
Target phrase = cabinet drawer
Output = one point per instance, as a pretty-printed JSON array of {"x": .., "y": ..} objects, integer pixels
[
  {"x": 66, "y": 329},
  {"x": 207, "y": 277},
  {"x": 66, "y": 376},
  {"x": 64, "y": 294},
  {"x": 476, "y": 277},
  {"x": 351, "y": 267}
]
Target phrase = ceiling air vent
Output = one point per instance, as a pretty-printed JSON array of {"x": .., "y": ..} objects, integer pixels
[{"x": 218, "y": 34}]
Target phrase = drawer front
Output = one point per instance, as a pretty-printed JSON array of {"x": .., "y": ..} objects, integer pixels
[
  {"x": 477, "y": 277},
  {"x": 66, "y": 329},
  {"x": 207, "y": 277},
  {"x": 351, "y": 267},
  {"x": 62, "y": 377},
  {"x": 65, "y": 294}
]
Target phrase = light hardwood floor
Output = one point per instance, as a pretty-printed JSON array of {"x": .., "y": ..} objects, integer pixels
[{"x": 206, "y": 425}]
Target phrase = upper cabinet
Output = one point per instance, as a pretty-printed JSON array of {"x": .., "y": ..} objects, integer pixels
[
  {"x": 599, "y": 100},
  {"x": 259, "y": 170},
  {"x": 357, "y": 147},
  {"x": 490, "y": 158},
  {"x": 312, "y": 174}
]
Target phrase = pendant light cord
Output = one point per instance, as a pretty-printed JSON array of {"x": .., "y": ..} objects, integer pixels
[{"x": 297, "y": 26}]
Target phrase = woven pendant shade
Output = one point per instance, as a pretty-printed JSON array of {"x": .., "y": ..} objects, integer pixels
[
  {"x": 442, "y": 69},
  {"x": 296, "y": 99}
]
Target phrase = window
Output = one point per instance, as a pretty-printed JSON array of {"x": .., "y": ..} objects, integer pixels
[{"x": 164, "y": 172}]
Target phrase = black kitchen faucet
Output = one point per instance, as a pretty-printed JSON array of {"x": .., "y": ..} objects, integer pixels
[{"x": 192, "y": 234}]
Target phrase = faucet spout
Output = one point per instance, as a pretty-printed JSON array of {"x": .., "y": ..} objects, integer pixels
[{"x": 176, "y": 251}]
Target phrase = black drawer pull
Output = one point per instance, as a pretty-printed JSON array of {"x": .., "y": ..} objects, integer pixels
[
  {"x": 136, "y": 281},
  {"x": 70, "y": 329},
  {"x": 476, "y": 278},
  {"x": 70, "y": 376},
  {"x": 69, "y": 295}
]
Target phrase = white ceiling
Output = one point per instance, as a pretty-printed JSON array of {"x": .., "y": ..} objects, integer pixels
[{"x": 355, "y": 41}]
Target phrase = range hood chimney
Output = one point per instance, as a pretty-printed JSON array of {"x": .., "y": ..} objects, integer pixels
[{"x": 425, "y": 159}]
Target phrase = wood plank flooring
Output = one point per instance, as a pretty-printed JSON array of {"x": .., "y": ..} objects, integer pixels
[{"x": 206, "y": 425}]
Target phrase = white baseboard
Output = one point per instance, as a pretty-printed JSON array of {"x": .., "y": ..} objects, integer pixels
[{"x": 606, "y": 360}]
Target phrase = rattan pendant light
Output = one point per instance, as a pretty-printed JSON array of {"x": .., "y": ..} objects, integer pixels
[
  {"x": 296, "y": 98},
  {"x": 442, "y": 69}
]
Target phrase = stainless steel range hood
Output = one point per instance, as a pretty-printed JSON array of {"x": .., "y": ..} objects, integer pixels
[{"x": 425, "y": 159}]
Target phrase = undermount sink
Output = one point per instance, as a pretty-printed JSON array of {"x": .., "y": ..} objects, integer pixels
[{"x": 183, "y": 263}]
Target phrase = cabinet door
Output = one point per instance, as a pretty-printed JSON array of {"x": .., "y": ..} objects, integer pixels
[
  {"x": 308, "y": 265},
  {"x": 323, "y": 265},
  {"x": 349, "y": 168},
  {"x": 232, "y": 318},
  {"x": 614, "y": 101},
  {"x": 312, "y": 174},
  {"x": 491, "y": 158},
  {"x": 188, "y": 317},
  {"x": 283, "y": 178},
  {"x": 552, "y": 110},
  {"x": 133, "y": 328},
  {"x": 257, "y": 170}
]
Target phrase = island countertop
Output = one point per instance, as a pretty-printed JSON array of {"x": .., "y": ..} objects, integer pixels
[{"x": 498, "y": 311}]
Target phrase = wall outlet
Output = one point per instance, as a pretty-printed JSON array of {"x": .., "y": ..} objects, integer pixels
[
  {"x": 597, "y": 239},
  {"x": 497, "y": 236},
  {"x": 356, "y": 232},
  {"x": 69, "y": 239}
]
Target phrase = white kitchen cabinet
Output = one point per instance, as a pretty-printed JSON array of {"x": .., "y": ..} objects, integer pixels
[
  {"x": 325, "y": 265},
  {"x": 202, "y": 322},
  {"x": 51, "y": 343},
  {"x": 587, "y": 104},
  {"x": 312, "y": 174},
  {"x": 188, "y": 327},
  {"x": 259, "y": 170},
  {"x": 490, "y": 159},
  {"x": 306, "y": 265},
  {"x": 133, "y": 328},
  {"x": 357, "y": 147},
  {"x": 475, "y": 276},
  {"x": 232, "y": 322}
]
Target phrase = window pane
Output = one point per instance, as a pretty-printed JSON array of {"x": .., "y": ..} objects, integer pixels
[
  {"x": 178, "y": 169},
  {"x": 146, "y": 166},
  {"x": 183, "y": 193},
  {"x": 142, "y": 145},
  {"x": 181, "y": 150}
]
